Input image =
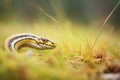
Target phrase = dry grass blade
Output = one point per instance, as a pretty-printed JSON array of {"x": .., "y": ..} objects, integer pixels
[
  {"x": 45, "y": 13},
  {"x": 103, "y": 25}
]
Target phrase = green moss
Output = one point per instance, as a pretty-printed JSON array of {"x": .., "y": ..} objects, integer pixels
[{"x": 72, "y": 59}]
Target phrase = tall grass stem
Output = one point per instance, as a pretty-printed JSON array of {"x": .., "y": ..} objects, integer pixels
[{"x": 103, "y": 25}]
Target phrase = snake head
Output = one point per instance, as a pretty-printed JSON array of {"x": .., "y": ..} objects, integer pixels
[{"x": 46, "y": 43}]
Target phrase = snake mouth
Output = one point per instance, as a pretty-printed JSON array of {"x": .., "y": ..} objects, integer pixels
[
  {"x": 47, "y": 46},
  {"x": 53, "y": 45}
]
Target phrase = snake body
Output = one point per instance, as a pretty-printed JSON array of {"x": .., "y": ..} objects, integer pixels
[{"x": 15, "y": 42}]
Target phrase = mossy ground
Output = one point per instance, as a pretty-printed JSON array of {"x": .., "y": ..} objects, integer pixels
[{"x": 72, "y": 59}]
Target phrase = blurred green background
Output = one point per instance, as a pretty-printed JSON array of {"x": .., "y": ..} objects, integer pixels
[
  {"x": 77, "y": 11},
  {"x": 73, "y": 25}
]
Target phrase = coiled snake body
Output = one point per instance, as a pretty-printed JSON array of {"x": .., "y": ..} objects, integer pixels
[{"x": 15, "y": 42}]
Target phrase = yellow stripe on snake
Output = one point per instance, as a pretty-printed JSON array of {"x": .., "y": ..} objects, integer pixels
[{"x": 15, "y": 42}]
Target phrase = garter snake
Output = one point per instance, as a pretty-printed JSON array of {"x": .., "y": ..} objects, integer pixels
[{"x": 15, "y": 42}]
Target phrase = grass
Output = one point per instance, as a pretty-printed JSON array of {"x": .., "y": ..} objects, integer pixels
[
  {"x": 72, "y": 59},
  {"x": 79, "y": 54}
]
